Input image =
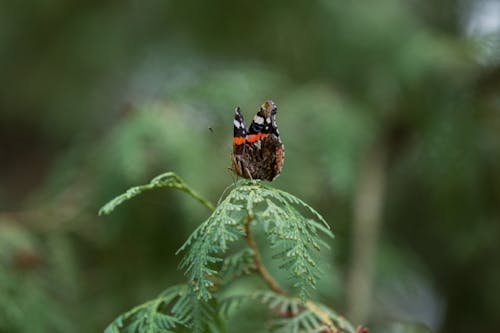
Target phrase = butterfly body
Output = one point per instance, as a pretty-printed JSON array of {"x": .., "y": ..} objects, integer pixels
[{"x": 258, "y": 152}]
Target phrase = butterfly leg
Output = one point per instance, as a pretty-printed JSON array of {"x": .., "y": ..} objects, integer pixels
[
  {"x": 239, "y": 166},
  {"x": 245, "y": 172},
  {"x": 248, "y": 173}
]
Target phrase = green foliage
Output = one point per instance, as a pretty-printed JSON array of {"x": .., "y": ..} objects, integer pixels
[
  {"x": 199, "y": 316},
  {"x": 168, "y": 179},
  {"x": 174, "y": 309},
  {"x": 293, "y": 314},
  {"x": 236, "y": 265},
  {"x": 295, "y": 240},
  {"x": 105, "y": 93},
  {"x": 293, "y": 230},
  {"x": 210, "y": 239},
  {"x": 30, "y": 267},
  {"x": 293, "y": 236}
]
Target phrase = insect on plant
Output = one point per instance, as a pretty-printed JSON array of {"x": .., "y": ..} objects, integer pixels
[{"x": 223, "y": 249}]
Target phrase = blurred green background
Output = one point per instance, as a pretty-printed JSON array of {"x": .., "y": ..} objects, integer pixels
[{"x": 389, "y": 112}]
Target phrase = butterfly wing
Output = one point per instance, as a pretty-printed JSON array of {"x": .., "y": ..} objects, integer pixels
[
  {"x": 239, "y": 139},
  {"x": 257, "y": 153},
  {"x": 239, "y": 132}
]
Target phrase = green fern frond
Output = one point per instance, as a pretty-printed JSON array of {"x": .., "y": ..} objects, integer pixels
[
  {"x": 293, "y": 230},
  {"x": 293, "y": 235},
  {"x": 305, "y": 321},
  {"x": 237, "y": 265},
  {"x": 211, "y": 238},
  {"x": 301, "y": 317},
  {"x": 174, "y": 309},
  {"x": 293, "y": 315},
  {"x": 168, "y": 179},
  {"x": 295, "y": 244},
  {"x": 281, "y": 303},
  {"x": 148, "y": 317},
  {"x": 194, "y": 313},
  {"x": 342, "y": 324},
  {"x": 228, "y": 304}
]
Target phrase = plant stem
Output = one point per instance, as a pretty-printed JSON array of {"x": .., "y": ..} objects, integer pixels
[
  {"x": 197, "y": 197},
  {"x": 259, "y": 266},
  {"x": 271, "y": 282},
  {"x": 321, "y": 315}
]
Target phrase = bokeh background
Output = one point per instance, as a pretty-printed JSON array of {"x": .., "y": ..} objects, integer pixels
[{"x": 390, "y": 115}]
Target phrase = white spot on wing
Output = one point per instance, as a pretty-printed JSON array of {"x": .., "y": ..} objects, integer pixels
[
  {"x": 268, "y": 120},
  {"x": 236, "y": 123},
  {"x": 258, "y": 120}
]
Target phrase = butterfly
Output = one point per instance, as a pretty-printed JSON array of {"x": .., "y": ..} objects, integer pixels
[{"x": 258, "y": 152}]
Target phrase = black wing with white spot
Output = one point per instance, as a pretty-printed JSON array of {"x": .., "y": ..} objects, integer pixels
[{"x": 265, "y": 120}]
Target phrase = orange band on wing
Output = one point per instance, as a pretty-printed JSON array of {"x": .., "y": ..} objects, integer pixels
[
  {"x": 251, "y": 138},
  {"x": 239, "y": 140}
]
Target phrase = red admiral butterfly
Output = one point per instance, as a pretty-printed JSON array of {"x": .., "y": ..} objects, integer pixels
[{"x": 257, "y": 153}]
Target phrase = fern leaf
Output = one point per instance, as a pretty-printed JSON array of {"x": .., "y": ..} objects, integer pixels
[
  {"x": 293, "y": 314},
  {"x": 236, "y": 265},
  {"x": 175, "y": 308},
  {"x": 194, "y": 312},
  {"x": 296, "y": 242},
  {"x": 148, "y": 317},
  {"x": 305, "y": 321},
  {"x": 293, "y": 234},
  {"x": 211, "y": 240},
  {"x": 339, "y": 321},
  {"x": 114, "y": 327},
  {"x": 168, "y": 179},
  {"x": 229, "y": 304},
  {"x": 299, "y": 318}
]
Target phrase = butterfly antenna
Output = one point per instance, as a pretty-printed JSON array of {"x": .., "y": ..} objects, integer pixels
[{"x": 224, "y": 192}]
